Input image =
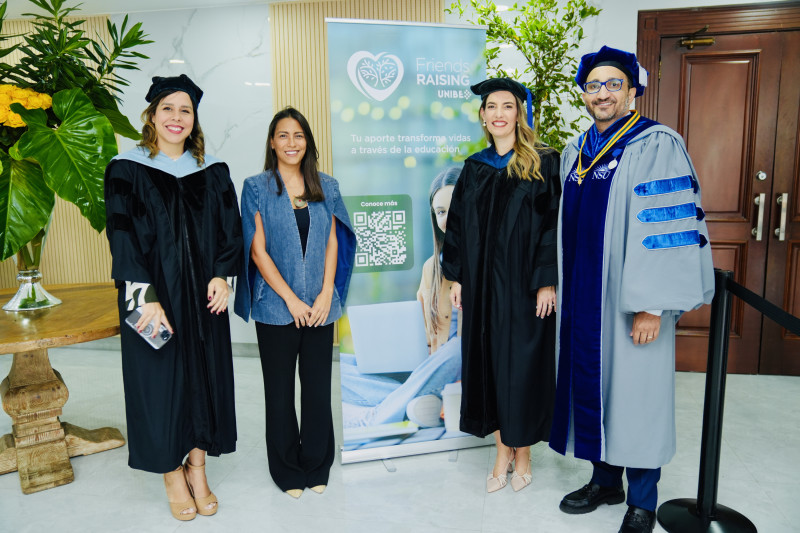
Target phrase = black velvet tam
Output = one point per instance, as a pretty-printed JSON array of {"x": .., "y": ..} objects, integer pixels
[
  {"x": 174, "y": 84},
  {"x": 487, "y": 87}
]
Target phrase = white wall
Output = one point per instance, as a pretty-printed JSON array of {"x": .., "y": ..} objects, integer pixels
[{"x": 226, "y": 52}]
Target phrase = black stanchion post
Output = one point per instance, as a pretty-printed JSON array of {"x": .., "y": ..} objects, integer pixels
[
  {"x": 713, "y": 406},
  {"x": 704, "y": 515}
]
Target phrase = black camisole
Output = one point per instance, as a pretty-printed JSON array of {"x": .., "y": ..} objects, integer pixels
[{"x": 303, "y": 222}]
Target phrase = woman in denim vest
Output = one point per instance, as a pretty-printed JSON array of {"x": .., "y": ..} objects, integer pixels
[{"x": 299, "y": 251}]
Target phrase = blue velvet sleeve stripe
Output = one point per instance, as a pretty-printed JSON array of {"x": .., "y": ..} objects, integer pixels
[
  {"x": 668, "y": 213},
  {"x": 674, "y": 240},
  {"x": 665, "y": 186}
]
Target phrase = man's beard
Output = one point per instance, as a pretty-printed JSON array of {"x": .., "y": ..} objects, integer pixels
[{"x": 612, "y": 118}]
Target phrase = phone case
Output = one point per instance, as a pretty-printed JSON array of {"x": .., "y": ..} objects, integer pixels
[{"x": 156, "y": 342}]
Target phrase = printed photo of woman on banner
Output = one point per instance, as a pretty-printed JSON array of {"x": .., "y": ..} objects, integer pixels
[{"x": 415, "y": 403}]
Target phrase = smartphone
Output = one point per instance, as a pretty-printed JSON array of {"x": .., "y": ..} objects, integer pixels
[{"x": 147, "y": 332}]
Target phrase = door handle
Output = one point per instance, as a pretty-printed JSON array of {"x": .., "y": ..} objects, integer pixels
[
  {"x": 780, "y": 231},
  {"x": 758, "y": 231}
]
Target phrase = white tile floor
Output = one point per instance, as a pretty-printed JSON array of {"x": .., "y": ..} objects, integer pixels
[{"x": 759, "y": 477}]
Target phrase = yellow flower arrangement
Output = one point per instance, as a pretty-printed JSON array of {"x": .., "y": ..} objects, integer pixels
[
  {"x": 29, "y": 99},
  {"x": 58, "y": 117}
]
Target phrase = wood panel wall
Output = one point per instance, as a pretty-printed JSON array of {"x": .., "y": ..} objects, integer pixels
[
  {"x": 300, "y": 53},
  {"x": 73, "y": 251}
]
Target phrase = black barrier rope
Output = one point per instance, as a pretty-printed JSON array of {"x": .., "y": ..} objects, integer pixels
[
  {"x": 767, "y": 308},
  {"x": 704, "y": 515}
]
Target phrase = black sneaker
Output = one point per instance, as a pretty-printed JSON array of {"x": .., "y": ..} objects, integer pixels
[
  {"x": 587, "y": 498},
  {"x": 638, "y": 520}
]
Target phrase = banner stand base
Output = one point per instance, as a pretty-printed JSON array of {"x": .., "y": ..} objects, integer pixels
[{"x": 417, "y": 448}]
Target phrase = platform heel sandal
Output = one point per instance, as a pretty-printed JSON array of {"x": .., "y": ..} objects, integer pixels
[{"x": 201, "y": 502}]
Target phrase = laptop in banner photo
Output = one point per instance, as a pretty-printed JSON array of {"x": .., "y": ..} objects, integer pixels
[{"x": 388, "y": 337}]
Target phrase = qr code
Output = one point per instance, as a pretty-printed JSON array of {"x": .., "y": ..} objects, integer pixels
[{"x": 382, "y": 238}]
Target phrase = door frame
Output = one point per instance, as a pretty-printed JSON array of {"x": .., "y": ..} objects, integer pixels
[{"x": 745, "y": 18}]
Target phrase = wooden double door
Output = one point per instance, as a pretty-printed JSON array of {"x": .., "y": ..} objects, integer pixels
[{"x": 735, "y": 98}]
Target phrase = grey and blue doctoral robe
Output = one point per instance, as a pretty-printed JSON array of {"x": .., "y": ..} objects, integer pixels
[{"x": 631, "y": 238}]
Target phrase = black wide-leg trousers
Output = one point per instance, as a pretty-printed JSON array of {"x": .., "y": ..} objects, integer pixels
[{"x": 298, "y": 457}]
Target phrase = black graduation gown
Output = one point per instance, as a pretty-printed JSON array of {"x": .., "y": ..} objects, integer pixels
[
  {"x": 176, "y": 234},
  {"x": 500, "y": 245}
]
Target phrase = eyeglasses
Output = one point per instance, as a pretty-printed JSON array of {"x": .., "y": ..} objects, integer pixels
[{"x": 613, "y": 85}]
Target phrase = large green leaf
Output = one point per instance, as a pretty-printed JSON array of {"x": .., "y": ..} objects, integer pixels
[
  {"x": 105, "y": 103},
  {"x": 73, "y": 156},
  {"x": 25, "y": 203},
  {"x": 120, "y": 123}
]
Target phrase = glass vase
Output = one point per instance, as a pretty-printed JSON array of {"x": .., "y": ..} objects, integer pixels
[{"x": 31, "y": 295}]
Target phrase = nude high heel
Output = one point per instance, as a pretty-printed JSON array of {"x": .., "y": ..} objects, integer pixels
[
  {"x": 177, "y": 508},
  {"x": 519, "y": 482},
  {"x": 319, "y": 489},
  {"x": 494, "y": 484},
  {"x": 202, "y": 502}
]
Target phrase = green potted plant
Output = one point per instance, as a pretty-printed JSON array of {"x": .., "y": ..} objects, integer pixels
[
  {"x": 546, "y": 33},
  {"x": 58, "y": 117}
]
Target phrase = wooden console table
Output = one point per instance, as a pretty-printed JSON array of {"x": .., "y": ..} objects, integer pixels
[{"x": 33, "y": 394}]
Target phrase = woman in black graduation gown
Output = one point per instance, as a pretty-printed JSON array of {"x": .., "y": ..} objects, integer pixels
[
  {"x": 500, "y": 251},
  {"x": 175, "y": 236}
]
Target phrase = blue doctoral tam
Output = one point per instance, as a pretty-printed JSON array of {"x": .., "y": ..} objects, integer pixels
[{"x": 625, "y": 61}]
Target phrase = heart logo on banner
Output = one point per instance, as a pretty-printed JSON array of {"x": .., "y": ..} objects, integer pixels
[{"x": 376, "y": 76}]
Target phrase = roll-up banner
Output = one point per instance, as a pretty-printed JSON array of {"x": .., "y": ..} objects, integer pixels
[{"x": 403, "y": 119}]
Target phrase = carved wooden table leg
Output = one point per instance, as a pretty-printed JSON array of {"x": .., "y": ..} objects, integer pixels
[
  {"x": 82, "y": 441},
  {"x": 40, "y": 445},
  {"x": 8, "y": 453},
  {"x": 33, "y": 395}
]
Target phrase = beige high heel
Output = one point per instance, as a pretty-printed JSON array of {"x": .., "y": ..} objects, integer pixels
[
  {"x": 519, "y": 482},
  {"x": 319, "y": 489},
  {"x": 494, "y": 484},
  {"x": 202, "y": 502},
  {"x": 295, "y": 493},
  {"x": 177, "y": 509}
]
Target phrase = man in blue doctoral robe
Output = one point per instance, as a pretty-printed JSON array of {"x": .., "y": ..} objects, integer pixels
[{"x": 633, "y": 255}]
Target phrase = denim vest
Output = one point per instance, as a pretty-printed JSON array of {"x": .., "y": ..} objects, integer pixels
[{"x": 304, "y": 275}]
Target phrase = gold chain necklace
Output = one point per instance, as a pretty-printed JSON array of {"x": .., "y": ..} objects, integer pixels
[
  {"x": 297, "y": 202},
  {"x": 628, "y": 125}
]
